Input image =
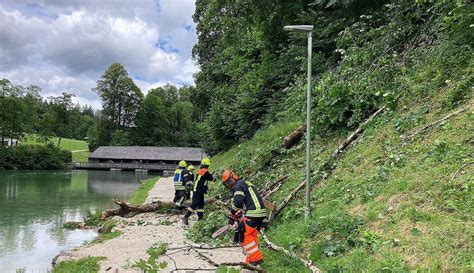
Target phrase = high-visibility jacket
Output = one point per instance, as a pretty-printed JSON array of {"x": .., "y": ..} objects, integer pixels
[
  {"x": 189, "y": 180},
  {"x": 201, "y": 180},
  {"x": 178, "y": 179},
  {"x": 246, "y": 197}
]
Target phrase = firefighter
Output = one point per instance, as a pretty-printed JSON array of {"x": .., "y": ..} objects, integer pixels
[
  {"x": 179, "y": 186},
  {"x": 246, "y": 198},
  {"x": 189, "y": 182},
  {"x": 201, "y": 180}
]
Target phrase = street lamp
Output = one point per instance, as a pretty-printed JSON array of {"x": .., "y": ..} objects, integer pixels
[{"x": 309, "y": 30}]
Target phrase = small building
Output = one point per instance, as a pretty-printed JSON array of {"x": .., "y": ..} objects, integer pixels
[
  {"x": 146, "y": 155},
  {"x": 10, "y": 142}
]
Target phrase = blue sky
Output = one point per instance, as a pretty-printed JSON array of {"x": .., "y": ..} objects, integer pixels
[{"x": 67, "y": 45}]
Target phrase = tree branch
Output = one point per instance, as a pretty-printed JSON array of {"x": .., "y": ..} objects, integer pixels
[{"x": 308, "y": 264}]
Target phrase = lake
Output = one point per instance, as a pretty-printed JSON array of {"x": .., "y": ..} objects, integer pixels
[{"x": 35, "y": 204}]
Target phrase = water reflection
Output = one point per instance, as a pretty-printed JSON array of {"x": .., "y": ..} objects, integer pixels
[{"x": 35, "y": 204}]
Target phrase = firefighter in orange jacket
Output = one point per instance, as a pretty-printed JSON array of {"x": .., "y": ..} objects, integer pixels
[{"x": 246, "y": 197}]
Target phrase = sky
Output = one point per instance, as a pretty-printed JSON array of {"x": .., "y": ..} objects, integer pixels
[{"x": 66, "y": 45}]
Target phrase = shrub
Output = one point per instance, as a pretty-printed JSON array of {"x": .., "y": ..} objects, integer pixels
[{"x": 33, "y": 157}]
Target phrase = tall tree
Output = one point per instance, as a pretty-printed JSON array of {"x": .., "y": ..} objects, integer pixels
[
  {"x": 56, "y": 120},
  {"x": 120, "y": 96},
  {"x": 121, "y": 99}
]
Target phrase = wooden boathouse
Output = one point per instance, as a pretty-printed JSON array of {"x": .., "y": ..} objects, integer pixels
[{"x": 141, "y": 158}]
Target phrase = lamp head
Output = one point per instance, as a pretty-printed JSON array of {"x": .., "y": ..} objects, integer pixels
[{"x": 299, "y": 28}]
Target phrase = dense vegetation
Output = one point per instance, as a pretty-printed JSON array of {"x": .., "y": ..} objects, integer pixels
[
  {"x": 165, "y": 117},
  {"x": 391, "y": 202},
  {"x": 252, "y": 72},
  {"x": 39, "y": 157},
  {"x": 23, "y": 111}
]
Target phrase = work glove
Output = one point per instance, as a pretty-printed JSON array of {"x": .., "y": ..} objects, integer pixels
[{"x": 231, "y": 221}]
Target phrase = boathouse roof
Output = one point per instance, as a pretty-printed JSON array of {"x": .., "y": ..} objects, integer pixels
[{"x": 148, "y": 153}]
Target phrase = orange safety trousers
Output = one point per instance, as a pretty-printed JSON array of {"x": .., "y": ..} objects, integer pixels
[{"x": 250, "y": 245}]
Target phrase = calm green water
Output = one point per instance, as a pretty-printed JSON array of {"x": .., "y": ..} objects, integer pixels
[{"x": 35, "y": 204}]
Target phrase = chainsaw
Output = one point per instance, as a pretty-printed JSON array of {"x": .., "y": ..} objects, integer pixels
[{"x": 235, "y": 217}]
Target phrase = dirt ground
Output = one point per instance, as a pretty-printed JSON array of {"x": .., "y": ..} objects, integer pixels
[{"x": 144, "y": 230}]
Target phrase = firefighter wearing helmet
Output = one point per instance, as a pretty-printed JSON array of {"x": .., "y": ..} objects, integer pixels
[
  {"x": 180, "y": 176},
  {"x": 201, "y": 180},
  {"x": 246, "y": 198}
]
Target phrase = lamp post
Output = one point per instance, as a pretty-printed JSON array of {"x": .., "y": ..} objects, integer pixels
[{"x": 309, "y": 30}]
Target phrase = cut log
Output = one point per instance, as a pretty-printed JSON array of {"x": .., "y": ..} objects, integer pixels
[
  {"x": 308, "y": 264},
  {"x": 294, "y": 137}
]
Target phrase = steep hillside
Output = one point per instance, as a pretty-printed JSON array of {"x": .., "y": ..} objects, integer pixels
[{"x": 400, "y": 197}]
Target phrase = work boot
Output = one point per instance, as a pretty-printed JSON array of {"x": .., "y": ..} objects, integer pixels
[{"x": 185, "y": 218}]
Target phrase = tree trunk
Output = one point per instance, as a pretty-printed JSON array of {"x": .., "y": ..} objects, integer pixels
[
  {"x": 294, "y": 137},
  {"x": 59, "y": 141}
]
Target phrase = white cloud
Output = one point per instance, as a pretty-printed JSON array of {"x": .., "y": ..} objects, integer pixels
[{"x": 67, "y": 45}]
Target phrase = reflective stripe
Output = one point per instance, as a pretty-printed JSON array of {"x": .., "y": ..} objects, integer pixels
[
  {"x": 252, "y": 250},
  {"x": 249, "y": 245},
  {"x": 190, "y": 209},
  {"x": 200, "y": 210},
  {"x": 256, "y": 213},
  {"x": 239, "y": 193},
  {"x": 254, "y": 197},
  {"x": 196, "y": 182}
]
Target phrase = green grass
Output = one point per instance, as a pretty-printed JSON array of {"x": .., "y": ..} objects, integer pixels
[
  {"x": 140, "y": 195},
  {"x": 66, "y": 143},
  {"x": 80, "y": 156},
  {"x": 89, "y": 265}
]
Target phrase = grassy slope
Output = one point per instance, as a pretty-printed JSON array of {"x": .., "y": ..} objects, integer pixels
[
  {"x": 139, "y": 195},
  {"x": 79, "y": 148},
  {"x": 388, "y": 205}
]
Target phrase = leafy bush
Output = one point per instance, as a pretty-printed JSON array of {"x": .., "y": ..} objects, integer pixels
[
  {"x": 93, "y": 219},
  {"x": 33, "y": 157},
  {"x": 88, "y": 264}
]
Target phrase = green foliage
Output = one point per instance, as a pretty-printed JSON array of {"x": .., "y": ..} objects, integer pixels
[
  {"x": 110, "y": 235},
  {"x": 150, "y": 265},
  {"x": 201, "y": 231},
  {"x": 140, "y": 194},
  {"x": 33, "y": 157},
  {"x": 92, "y": 218},
  {"x": 72, "y": 225},
  {"x": 89, "y": 264}
]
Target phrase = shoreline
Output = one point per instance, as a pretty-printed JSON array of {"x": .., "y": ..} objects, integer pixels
[{"x": 147, "y": 230}]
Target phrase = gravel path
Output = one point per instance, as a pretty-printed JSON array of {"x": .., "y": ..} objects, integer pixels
[{"x": 142, "y": 231}]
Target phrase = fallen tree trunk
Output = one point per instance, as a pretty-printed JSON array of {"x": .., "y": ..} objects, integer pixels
[
  {"x": 308, "y": 264},
  {"x": 127, "y": 210},
  {"x": 356, "y": 133},
  {"x": 289, "y": 197},
  {"x": 294, "y": 137},
  {"x": 428, "y": 126}
]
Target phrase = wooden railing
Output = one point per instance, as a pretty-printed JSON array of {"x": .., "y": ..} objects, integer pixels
[{"x": 124, "y": 166}]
